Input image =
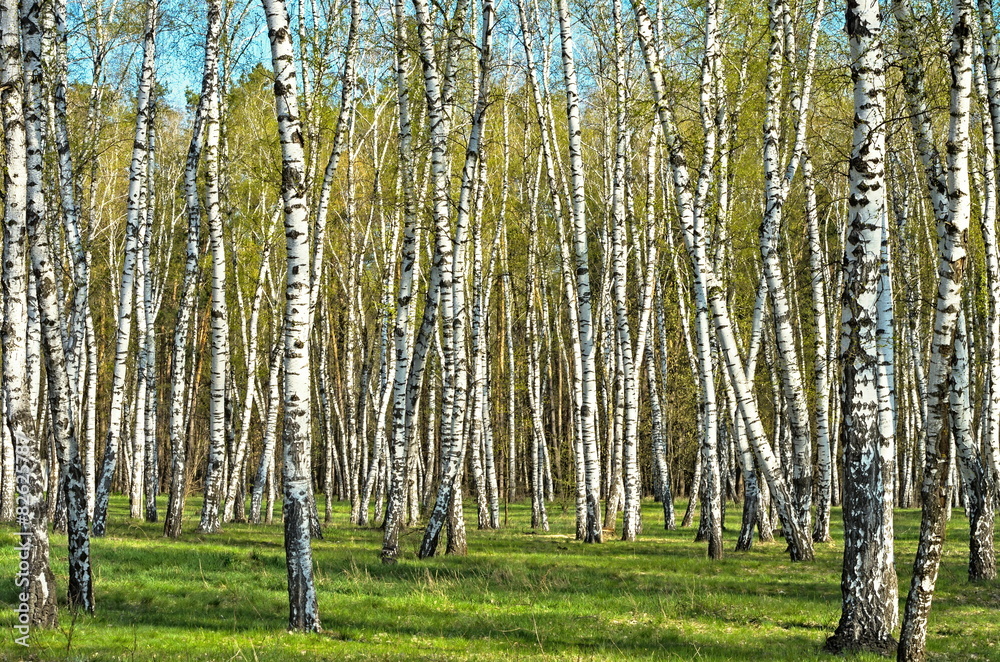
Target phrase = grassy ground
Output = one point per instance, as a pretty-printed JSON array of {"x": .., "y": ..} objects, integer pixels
[{"x": 517, "y": 595}]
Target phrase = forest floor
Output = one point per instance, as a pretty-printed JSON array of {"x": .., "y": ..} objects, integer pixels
[{"x": 517, "y": 595}]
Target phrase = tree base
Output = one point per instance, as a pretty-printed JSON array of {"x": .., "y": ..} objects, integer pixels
[{"x": 850, "y": 643}]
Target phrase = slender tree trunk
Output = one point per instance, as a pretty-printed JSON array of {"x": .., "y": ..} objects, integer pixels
[
  {"x": 935, "y": 491},
  {"x": 588, "y": 371},
  {"x": 303, "y": 611},
  {"x": 179, "y": 386},
  {"x": 137, "y": 169},
  {"x": 817, "y": 273},
  {"x": 265, "y": 470},
  {"x": 978, "y": 493},
  {"x": 217, "y": 403}
]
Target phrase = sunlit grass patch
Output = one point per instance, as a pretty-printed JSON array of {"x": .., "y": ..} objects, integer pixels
[{"x": 517, "y": 595}]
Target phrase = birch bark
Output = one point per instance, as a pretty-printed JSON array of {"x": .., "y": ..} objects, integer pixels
[
  {"x": 868, "y": 583},
  {"x": 179, "y": 383},
  {"x": 303, "y": 611},
  {"x": 137, "y": 169},
  {"x": 952, "y": 254},
  {"x": 217, "y": 423},
  {"x": 30, "y": 513},
  {"x": 588, "y": 407}
]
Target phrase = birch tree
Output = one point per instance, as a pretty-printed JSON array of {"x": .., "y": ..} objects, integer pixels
[
  {"x": 952, "y": 257},
  {"x": 61, "y": 403},
  {"x": 303, "y": 611},
  {"x": 578, "y": 213},
  {"x": 134, "y": 217},
  {"x": 868, "y": 585},
  {"x": 179, "y": 383},
  {"x": 33, "y": 548},
  {"x": 215, "y": 471}
]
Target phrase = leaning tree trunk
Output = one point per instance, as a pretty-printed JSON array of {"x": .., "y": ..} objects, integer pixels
[
  {"x": 178, "y": 381},
  {"x": 82, "y": 347},
  {"x": 800, "y": 543},
  {"x": 137, "y": 170},
  {"x": 61, "y": 401},
  {"x": 303, "y": 613},
  {"x": 787, "y": 351},
  {"x": 398, "y": 446},
  {"x": 935, "y": 491},
  {"x": 453, "y": 288}
]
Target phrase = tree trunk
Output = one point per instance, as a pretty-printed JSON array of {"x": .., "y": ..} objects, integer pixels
[
  {"x": 137, "y": 170},
  {"x": 179, "y": 386},
  {"x": 935, "y": 490},
  {"x": 35, "y": 576},
  {"x": 868, "y": 584},
  {"x": 303, "y": 612}
]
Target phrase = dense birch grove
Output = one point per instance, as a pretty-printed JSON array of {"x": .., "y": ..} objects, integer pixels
[{"x": 429, "y": 259}]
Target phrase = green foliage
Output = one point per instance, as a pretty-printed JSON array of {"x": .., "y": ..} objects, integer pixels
[{"x": 517, "y": 595}]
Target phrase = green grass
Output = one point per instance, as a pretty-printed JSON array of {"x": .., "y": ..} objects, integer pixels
[{"x": 517, "y": 595}]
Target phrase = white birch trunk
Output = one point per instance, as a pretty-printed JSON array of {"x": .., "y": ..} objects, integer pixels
[
  {"x": 868, "y": 585},
  {"x": 588, "y": 371},
  {"x": 126, "y": 293},
  {"x": 952, "y": 256},
  {"x": 817, "y": 279},
  {"x": 979, "y": 505},
  {"x": 214, "y": 471},
  {"x": 265, "y": 470},
  {"x": 303, "y": 612},
  {"x": 33, "y": 533},
  {"x": 800, "y": 543},
  {"x": 179, "y": 385},
  {"x": 988, "y": 218}
]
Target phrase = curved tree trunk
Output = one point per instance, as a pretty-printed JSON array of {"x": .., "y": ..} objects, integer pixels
[
  {"x": 178, "y": 382},
  {"x": 137, "y": 170},
  {"x": 953, "y": 228}
]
